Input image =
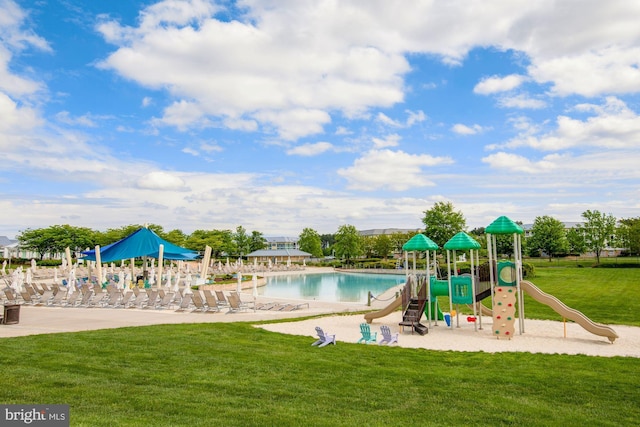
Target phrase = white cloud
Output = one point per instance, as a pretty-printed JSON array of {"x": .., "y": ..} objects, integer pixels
[
  {"x": 461, "y": 129},
  {"x": 308, "y": 150},
  {"x": 160, "y": 180},
  {"x": 611, "y": 70},
  {"x": 383, "y": 118},
  {"x": 211, "y": 148},
  {"x": 15, "y": 119},
  {"x": 191, "y": 151},
  {"x": 517, "y": 163},
  {"x": 615, "y": 125},
  {"x": 521, "y": 101},
  {"x": 495, "y": 84},
  {"x": 415, "y": 117},
  {"x": 389, "y": 141},
  {"x": 393, "y": 170},
  {"x": 85, "y": 120}
]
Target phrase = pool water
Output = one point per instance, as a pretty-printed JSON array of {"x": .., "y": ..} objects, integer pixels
[{"x": 330, "y": 287}]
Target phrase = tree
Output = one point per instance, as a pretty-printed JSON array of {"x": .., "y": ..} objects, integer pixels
[
  {"x": 442, "y": 222},
  {"x": 309, "y": 241},
  {"x": 200, "y": 239},
  {"x": 629, "y": 235},
  {"x": 383, "y": 246},
  {"x": 242, "y": 241},
  {"x": 398, "y": 239},
  {"x": 327, "y": 242},
  {"x": 38, "y": 240},
  {"x": 221, "y": 241},
  {"x": 575, "y": 240},
  {"x": 56, "y": 238},
  {"x": 256, "y": 241},
  {"x": 177, "y": 237},
  {"x": 548, "y": 236},
  {"x": 599, "y": 229},
  {"x": 347, "y": 244}
]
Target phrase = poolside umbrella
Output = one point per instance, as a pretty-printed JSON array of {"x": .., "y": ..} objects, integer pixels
[
  {"x": 168, "y": 278},
  {"x": 29, "y": 276},
  {"x": 176, "y": 287},
  {"x": 67, "y": 252},
  {"x": 254, "y": 279},
  {"x": 239, "y": 276},
  {"x": 72, "y": 281},
  {"x": 205, "y": 264},
  {"x": 99, "y": 264}
]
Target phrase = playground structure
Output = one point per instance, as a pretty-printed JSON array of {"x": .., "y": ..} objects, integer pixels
[{"x": 501, "y": 280}]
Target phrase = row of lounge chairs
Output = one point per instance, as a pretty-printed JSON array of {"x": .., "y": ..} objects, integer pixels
[{"x": 87, "y": 296}]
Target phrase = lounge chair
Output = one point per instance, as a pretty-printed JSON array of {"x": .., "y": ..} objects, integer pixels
[
  {"x": 184, "y": 303},
  {"x": 266, "y": 305},
  {"x": 291, "y": 307},
  {"x": 198, "y": 302},
  {"x": 166, "y": 301},
  {"x": 11, "y": 297},
  {"x": 210, "y": 299},
  {"x": 387, "y": 337},
  {"x": 367, "y": 336},
  {"x": 124, "y": 301},
  {"x": 26, "y": 297},
  {"x": 71, "y": 300},
  {"x": 151, "y": 300},
  {"x": 222, "y": 300},
  {"x": 58, "y": 298},
  {"x": 323, "y": 338},
  {"x": 113, "y": 300},
  {"x": 235, "y": 304}
]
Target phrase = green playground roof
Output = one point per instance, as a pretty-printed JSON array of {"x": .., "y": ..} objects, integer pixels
[
  {"x": 420, "y": 242},
  {"x": 504, "y": 225},
  {"x": 462, "y": 241}
]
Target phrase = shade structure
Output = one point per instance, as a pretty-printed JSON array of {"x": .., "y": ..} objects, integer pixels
[
  {"x": 461, "y": 242},
  {"x": 420, "y": 242},
  {"x": 504, "y": 225},
  {"x": 143, "y": 242}
]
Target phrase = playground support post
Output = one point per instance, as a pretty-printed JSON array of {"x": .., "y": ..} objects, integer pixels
[{"x": 517, "y": 255}]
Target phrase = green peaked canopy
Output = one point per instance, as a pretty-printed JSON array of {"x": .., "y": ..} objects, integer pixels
[
  {"x": 461, "y": 241},
  {"x": 420, "y": 242},
  {"x": 504, "y": 225}
]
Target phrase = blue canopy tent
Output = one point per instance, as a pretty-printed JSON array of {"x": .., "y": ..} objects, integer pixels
[{"x": 143, "y": 242}]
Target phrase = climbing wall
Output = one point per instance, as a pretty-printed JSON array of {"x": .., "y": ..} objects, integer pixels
[{"x": 504, "y": 310}]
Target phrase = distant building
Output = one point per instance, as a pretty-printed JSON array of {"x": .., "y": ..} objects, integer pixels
[
  {"x": 8, "y": 247},
  {"x": 277, "y": 256},
  {"x": 387, "y": 231},
  {"x": 279, "y": 243}
]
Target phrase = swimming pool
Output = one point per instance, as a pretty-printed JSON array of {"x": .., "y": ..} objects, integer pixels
[{"x": 330, "y": 287}]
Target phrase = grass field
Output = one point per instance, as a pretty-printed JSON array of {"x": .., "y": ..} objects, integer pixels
[{"x": 234, "y": 374}]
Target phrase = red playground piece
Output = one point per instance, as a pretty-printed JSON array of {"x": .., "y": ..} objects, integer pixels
[{"x": 471, "y": 319}]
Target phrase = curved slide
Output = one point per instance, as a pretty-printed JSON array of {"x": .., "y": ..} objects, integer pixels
[
  {"x": 567, "y": 312},
  {"x": 385, "y": 311}
]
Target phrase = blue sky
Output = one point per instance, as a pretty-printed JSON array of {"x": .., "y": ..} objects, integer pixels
[{"x": 281, "y": 115}]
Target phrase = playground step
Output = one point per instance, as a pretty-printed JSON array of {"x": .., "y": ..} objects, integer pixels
[{"x": 421, "y": 329}]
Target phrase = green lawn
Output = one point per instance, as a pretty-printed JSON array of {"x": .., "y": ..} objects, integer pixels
[
  {"x": 606, "y": 295},
  {"x": 234, "y": 374}
]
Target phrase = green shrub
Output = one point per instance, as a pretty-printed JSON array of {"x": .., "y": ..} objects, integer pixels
[{"x": 528, "y": 270}]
